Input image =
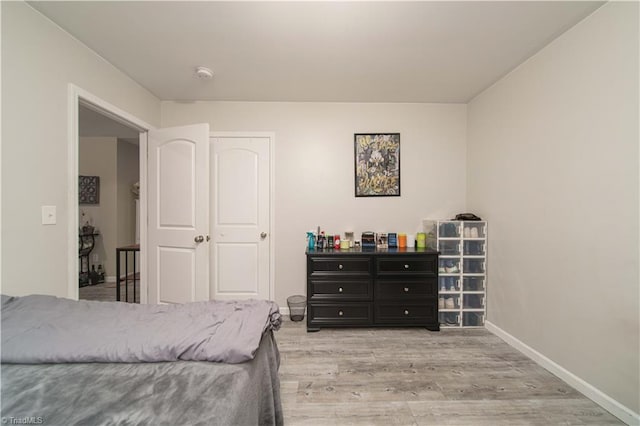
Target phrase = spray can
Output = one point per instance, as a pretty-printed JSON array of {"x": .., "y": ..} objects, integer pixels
[{"x": 311, "y": 240}]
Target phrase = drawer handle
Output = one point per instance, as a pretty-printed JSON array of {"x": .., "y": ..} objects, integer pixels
[
  {"x": 406, "y": 266},
  {"x": 406, "y": 289},
  {"x": 340, "y": 266},
  {"x": 406, "y": 312},
  {"x": 340, "y": 289},
  {"x": 340, "y": 313}
]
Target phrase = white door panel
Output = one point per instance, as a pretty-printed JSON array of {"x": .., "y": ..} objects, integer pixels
[
  {"x": 178, "y": 212},
  {"x": 236, "y": 268},
  {"x": 176, "y": 191},
  {"x": 237, "y": 187},
  {"x": 240, "y": 217},
  {"x": 176, "y": 268}
]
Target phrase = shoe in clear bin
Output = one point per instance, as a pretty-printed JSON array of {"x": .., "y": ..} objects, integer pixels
[{"x": 449, "y": 303}]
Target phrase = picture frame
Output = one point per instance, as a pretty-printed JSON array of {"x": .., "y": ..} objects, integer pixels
[
  {"x": 377, "y": 164},
  {"x": 89, "y": 189}
]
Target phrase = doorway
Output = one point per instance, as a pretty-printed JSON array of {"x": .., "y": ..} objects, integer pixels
[
  {"x": 109, "y": 176},
  {"x": 107, "y": 153}
]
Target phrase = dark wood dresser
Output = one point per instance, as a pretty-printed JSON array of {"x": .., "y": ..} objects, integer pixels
[{"x": 371, "y": 288}]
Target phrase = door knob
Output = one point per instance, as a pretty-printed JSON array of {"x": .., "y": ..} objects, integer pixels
[
  {"x": 199, "y": 239},
  {"x": 263, "y": 235}
]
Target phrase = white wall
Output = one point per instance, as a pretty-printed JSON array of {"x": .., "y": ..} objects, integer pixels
[
  {"x": 39, "y": 60},
  {"x": 314, "y": 172},
  {"x": 128, "y": 174},
  {"x": 553, "y": 165}
]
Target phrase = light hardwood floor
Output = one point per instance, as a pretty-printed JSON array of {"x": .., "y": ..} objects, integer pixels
[
  {"x": 106, "y": 292},
  {"x": 410, "y": 376}
]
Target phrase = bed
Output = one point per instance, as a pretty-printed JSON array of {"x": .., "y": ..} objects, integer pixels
[{"x": 82, "y": 362}]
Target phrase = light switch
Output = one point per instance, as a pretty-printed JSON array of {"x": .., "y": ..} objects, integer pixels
[{"x": 48, "y": 215}]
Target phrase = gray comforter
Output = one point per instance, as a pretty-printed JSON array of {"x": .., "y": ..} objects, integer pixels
[
  {"x": 160, "y": 393},
  {"x": 45, "y": 329}
]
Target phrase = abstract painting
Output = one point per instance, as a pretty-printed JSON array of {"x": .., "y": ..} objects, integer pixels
[{"x": 377, "y": 164}]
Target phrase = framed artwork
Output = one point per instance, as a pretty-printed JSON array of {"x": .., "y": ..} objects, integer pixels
[
  {"x": 89, "y": 189},
  {"x": 377, "y": 164}
]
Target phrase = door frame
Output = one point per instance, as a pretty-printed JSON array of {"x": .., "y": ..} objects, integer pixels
[
  {"x": 78, "y": 96},
  {"x": 272, "y": 220}
]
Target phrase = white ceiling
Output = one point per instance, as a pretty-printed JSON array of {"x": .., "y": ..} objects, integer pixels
[
  {"x": 317, "y": 51},
  {"x": 94, "y": 124}
]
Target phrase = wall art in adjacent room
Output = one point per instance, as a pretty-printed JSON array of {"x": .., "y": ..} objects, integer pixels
[{"x": 89, "y": 189}]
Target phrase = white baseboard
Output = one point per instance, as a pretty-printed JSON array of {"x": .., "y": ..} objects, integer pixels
[
  {"x": 605, "y": 401},
  {"x": 110, "y": 279},
  {"x": 284, "y": 310}
]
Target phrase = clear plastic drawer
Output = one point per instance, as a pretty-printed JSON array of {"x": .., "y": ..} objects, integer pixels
[
  {"x": 448, "y": 302},
  {"x": 473, "y": 301},
  {"x": 474, "y": 230},
  {"x": 451, "y": 247},
  {"x": 474, "y": 248},
  {"x": 474, "y": 266},
  {"x": 450, "y": 319},
  {"x": 473, "y": 284},
  {"x": 449, "y": 230},
  {"x": 449, "y": 266},
  {"x": 472, "y": 319},
  {"x": 448, "y": 284},
  {"x": 429, "y": 228}
]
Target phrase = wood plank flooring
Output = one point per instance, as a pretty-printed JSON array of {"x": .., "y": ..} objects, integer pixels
[
  {"x": 106, "y": 292},
  {"x": 410, "y": 376}
]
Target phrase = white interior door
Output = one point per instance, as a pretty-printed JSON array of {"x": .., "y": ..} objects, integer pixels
[
  {"x": 178, "y": 214},
  {"x": 240, "y": 217}
]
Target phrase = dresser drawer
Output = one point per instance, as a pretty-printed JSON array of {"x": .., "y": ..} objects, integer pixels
[
  {"x": 330, "y": 265},
  {"x": 409, "y": 313},
  {"x": 340, "y": 289},
  {"x": 349, "y": 313},
  {"x": 407, "y": 265},
  {"x": 389, "y": 289}
]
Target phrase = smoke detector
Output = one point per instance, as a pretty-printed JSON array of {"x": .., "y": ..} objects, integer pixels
[{"x": 204, "y": 73}]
